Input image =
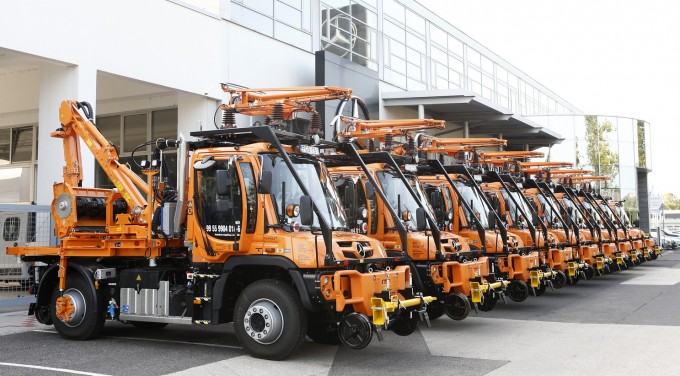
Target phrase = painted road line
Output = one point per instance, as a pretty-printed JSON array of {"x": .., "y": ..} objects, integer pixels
[
  {"x": 158, "y": 340},
  {"x": 64, "y": 370}
]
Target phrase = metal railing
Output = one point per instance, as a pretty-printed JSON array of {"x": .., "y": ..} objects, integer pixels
[{"x": 21, "y": 225}]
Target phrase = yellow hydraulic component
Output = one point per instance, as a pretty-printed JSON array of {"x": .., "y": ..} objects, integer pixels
[
  {"x": 535, "y": 278},
  {"x": 381, "y": 307},
  {"x": 600, "y": 263},
  {"x": 619, "y": 259},
  {"x": 476, "y": 292},
  {"x": 571, "y": 269},
  {"x": 634, "y": 255},
  {"x": 657, "y": 249}
]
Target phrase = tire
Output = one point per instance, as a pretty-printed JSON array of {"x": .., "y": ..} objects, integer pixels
[
  {"x": 540, "y": 290},
  {"x": 323, "y": 333},
  {"x": 560, "y": 279},
  {"x": 457, "y": 306},
  {"x": 517, "y": 291},
  {"x": 488, "y": 303},
  {"x": 84, "y": 323},
  {"x": 435, "y": 310},
  {"x": 143, "y": 325},
  {"x": 269, "y": 320}
]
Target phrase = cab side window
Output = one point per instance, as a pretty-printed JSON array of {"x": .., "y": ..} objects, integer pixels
[{"x": 220, "y": 200}]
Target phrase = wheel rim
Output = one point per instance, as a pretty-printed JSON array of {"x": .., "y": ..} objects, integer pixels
[
  {"x": 263, "y": 321},
  {"x": 77, "y": 301},
  {"x": 518, "y": 291},
  {"x": 355, "y": 331},
  {"x": 457, "y": 307}
]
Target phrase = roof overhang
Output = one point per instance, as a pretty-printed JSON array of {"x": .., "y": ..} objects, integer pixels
[{"x": 483, "y": 116}]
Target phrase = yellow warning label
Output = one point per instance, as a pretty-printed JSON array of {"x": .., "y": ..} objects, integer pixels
[{"x": 139, "y": 277}]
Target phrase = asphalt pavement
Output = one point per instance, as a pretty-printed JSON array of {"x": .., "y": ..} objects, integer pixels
[{"x": 626, "y": 323}]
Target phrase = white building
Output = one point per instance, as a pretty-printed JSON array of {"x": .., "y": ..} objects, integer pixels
[{"x": 153, "y": 68}]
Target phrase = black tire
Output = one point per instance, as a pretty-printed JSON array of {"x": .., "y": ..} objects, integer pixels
[
  {"x": 457, "y": 306},
  {"x": 324, "y": 333},
  {"x": 84, "y": 323},
  {"x": 435, "y": 310},
  {"x": 560, "y": 279},
  {"x": 275, "y": 305},
  {"x": 143, "y": 325},
  {"x": 488, "y": 303},
  {"x": 517, "y": 291},
  {"x": 403, "y": 325},
  {"x": 540, "y": 290}
]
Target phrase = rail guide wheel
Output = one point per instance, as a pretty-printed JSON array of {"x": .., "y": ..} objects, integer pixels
[{"x": 355, "y": 331}]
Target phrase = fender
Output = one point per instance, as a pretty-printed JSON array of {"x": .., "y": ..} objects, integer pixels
[
  {"x": 261, "y": 260},
  {"x": 49, "y": 280}
]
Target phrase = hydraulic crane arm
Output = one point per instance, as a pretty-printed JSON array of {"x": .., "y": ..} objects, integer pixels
[
  {"x": 76, "y": 124},
  {"x": 511, "y": 154}
]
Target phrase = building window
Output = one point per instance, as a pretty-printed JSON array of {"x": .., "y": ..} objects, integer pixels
[
  {"x": 349, "y": 30},
  {"x": 134, "y": 130},
  {"x": 286, "y": 20},
  {"x": 17, "y": 163}
]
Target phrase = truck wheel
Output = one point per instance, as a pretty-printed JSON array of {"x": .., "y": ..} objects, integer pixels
[
  {"x": 590, "y": 272},
  {"x": 83, "y": 322},
  {"x": 323, "y": 333},
  {"x": 457, "y": 306},
  {"x": 517, "y": 291},
  {"x": 435, "y": 310},
  {"x": 269, "y": 320}
]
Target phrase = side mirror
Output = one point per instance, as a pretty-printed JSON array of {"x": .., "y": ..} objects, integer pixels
[
  {"x": 504, "y": 218},
  {"x": 223, "y": 182},
  {"x": 421, "y": 221},
  {"x": 491, "y": 218},
  {"x": 264, "y": 185},
  {"x": 534, "y": 218},
  {"x": 306, "y": 211},
  {"x": 436, "y": 200}
]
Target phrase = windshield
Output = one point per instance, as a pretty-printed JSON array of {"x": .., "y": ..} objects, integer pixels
[
  {"x": 399, "y": 197},
  {"x": 576, "y": 216},
  {"x": 548, "y": 212},
  {"x": 513, "y": 209},
  {"x": 595, "y": 215},
  {"x": 608, "y": 213},
  {"x": 316, "y": 179},
  {"x": 472, "y": 197}
]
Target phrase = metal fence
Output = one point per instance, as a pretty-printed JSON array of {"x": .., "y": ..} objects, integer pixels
[{"x": 21, "y": 225}]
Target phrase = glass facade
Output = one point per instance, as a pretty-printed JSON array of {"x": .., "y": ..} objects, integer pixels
[
  {"x": 607, "y": 145},
  {"x": 409, "y": 46}
]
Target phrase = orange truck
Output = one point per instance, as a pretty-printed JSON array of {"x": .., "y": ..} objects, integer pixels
[
  {"x": 252, "y": 232},
  {"x": 395, "y": 211}
]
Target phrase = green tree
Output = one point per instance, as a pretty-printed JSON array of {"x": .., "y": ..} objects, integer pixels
[
  {"x": 605, "y": 162},
  {"x": 642, "y": 148},
  {"x": 630, "y": 206},
  {"x": 671, "y": 202}
]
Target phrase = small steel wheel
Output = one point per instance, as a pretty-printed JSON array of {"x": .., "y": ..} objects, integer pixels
[
  {"x": 540, "y": 290},
  {"x": 435, "y": 310},
  {"x": 559, "y": 280},
  {"x": 589, "y": 272},
  {"x": 517, "y": 291},
  {"x": 457, "y": 306},
  {"x": 403, "y": 325},
  {"x": 355, "y": 331},
  {"x": 488, "y": 303}
]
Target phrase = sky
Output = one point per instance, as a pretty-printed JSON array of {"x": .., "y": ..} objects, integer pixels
[{"x": 605, "y": 57}]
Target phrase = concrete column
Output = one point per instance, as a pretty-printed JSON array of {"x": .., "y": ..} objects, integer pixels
[
  {"x": 58, "y": 83},
  {"x": 466, "y": 130},
  {"x": 194, "y": 113},
  {"x": 421, "y": 111},
  {"x": 500, "y": 148}
]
